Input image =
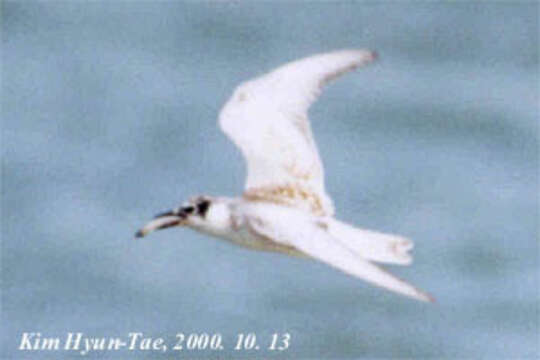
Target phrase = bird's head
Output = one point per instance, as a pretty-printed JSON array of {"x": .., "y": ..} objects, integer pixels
[{"x": 192, "y": 213}]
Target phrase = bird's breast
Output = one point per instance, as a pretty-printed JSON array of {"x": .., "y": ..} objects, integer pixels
[{"x": 242, "y": 235}]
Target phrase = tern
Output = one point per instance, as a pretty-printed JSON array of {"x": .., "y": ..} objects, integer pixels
[{"x": 284, "y": 207}]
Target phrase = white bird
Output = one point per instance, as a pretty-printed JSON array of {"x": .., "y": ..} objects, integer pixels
[{"x": 285, "y": 207}]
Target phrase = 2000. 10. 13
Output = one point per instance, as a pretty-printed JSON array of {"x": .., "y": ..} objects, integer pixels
[{"x": 244, "y": 341}]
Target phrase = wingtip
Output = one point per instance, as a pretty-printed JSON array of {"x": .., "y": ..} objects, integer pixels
[
  {"x": 431, "y": 299},
  {"x": 425, "y": 297},
  {"x": 368, "y": 55}
]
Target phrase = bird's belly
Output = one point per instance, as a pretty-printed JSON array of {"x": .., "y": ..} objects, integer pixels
[{"x": 246, "y": 238}]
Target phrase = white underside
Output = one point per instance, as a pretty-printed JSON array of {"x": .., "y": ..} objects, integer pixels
[{"x": 270, "y": 227}]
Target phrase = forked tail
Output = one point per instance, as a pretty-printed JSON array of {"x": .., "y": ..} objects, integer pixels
[{"x": 372, "y": 245}]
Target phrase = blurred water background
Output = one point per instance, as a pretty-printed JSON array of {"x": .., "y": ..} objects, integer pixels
[{"x": 109, "y": 116}]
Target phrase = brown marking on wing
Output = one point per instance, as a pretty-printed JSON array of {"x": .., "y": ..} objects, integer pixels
[
  {"x": 295, "y": 172},
  {"x": 322, "y": 225},
  {"x": 289, "y": 195}
]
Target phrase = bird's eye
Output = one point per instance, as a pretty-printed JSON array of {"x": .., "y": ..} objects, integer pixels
[{"x": 202, "y": 207}]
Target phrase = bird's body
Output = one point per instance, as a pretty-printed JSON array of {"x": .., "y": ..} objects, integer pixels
[
  {"x": 231, "y": 220},
  {"x": 285, "y": 207}
]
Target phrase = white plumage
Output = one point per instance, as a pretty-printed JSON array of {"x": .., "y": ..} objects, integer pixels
[
  {"x": 267, "y": 119},
  {"x": 285, "y": 207},
  {"x": 323, "y": 239}
]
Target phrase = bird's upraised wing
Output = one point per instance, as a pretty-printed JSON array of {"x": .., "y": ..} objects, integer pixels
[{"x": 267, "y": 119}]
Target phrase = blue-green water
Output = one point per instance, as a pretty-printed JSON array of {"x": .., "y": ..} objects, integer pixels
[{"x": 109, "y": 116}]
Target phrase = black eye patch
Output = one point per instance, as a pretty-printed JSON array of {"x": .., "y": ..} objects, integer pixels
[{"x": 202, "y": 207}]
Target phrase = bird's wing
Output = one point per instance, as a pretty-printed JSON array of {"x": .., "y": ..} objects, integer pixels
[
  {"x": 306, "y": 235},
  {"x": 267, "y": 119}
]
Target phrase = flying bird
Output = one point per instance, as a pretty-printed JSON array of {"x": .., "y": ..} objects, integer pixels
[{"x": 284, "y": 207}]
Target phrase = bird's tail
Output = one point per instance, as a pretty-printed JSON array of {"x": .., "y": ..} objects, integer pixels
[{"x": 372, "y": 245}]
